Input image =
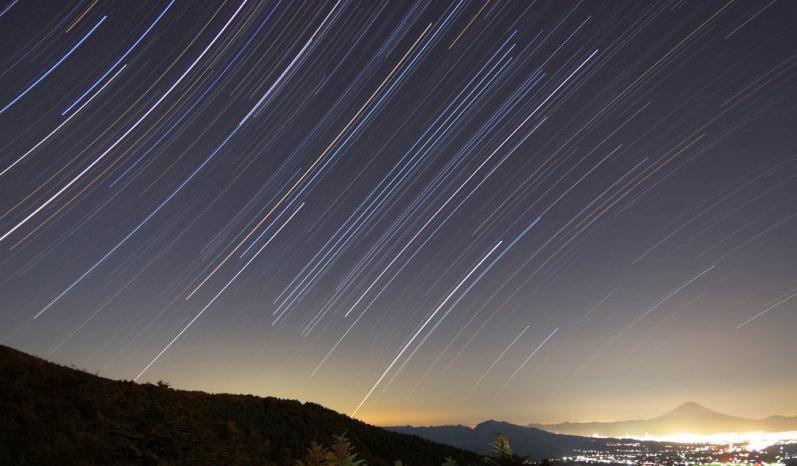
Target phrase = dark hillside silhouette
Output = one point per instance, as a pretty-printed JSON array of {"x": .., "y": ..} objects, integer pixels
[{"x": 50, "y": 414}]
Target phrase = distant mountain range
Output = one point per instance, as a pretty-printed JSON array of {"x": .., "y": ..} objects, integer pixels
[
  {"x": 557, "y": 440},
  {"x": 689, "y": 418},
  {"x": 50, "y": 414},
  {"x": 527, "y": 441}
]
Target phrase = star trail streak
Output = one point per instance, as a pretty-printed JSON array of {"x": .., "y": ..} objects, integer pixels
[{"x": 484, "y": 209}]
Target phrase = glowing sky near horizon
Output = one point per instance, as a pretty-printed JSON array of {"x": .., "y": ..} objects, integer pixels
[{"x": 418, "y": 212}]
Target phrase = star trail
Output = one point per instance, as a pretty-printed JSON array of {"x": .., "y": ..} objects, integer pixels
[{"x": 415, "y": 212}]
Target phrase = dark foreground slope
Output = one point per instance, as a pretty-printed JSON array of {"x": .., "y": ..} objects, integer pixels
[{"x": 50, "y": 414}]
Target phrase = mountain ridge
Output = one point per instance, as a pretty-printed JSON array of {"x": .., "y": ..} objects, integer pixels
[{"x": 527, "y": 441}]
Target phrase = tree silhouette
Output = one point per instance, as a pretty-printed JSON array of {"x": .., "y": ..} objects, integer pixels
[
  {"x": 500, "y": 453},
  {"x": 340, "y": 453}
]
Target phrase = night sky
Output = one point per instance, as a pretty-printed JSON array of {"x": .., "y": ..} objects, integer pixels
[{"x": 410, "y": 212}]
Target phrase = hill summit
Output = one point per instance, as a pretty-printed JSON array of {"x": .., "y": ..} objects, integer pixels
[{"x": 691, "y": 409}]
